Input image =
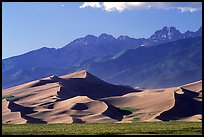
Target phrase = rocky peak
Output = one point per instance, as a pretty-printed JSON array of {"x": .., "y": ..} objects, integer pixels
[{"x": 106, "y": 36}]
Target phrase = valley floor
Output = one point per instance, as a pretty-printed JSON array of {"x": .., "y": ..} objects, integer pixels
[{"x": 136, "y": 128}]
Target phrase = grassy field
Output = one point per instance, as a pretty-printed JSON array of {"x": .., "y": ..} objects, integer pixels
[{"x": 138, "y": 128}]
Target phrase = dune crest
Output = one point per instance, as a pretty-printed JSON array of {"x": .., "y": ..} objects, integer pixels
[{"x": 78, "y": 74}]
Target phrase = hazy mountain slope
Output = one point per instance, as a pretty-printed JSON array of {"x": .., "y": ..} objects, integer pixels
[{"x": 169, "y": 64}]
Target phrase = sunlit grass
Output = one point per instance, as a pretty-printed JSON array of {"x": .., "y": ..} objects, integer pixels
[{"x": 136, "y": 128}]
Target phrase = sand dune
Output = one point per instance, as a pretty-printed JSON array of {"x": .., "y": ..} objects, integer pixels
[
  {"x": 81, "y": 97},
  {"x": 195, "y": 86},
  {"x": 186, "y": 105},
  {"x": 148, "y": 104},
  {"x": 11, "y": 117}
]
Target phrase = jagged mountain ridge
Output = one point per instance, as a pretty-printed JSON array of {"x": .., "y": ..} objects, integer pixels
[{"x": 168, "y": 34}]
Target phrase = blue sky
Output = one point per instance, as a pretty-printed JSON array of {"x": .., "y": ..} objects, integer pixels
[{"x": 31, "y": 25}]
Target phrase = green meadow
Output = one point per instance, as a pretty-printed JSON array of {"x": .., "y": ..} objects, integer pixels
[{"x": 136, "y": 128}]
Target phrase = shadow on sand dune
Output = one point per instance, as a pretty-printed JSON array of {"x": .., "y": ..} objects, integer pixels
[
  {"x": 85, "y": 84},
  {"x": 24, "y": 111},
  {"x": 92, "y": 87},
  {"x": 186, "y": 105}
]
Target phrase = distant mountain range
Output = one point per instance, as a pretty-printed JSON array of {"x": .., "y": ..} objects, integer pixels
[
  {"x": 168, "y": 34},
  {"x": 153, "y": 62}
]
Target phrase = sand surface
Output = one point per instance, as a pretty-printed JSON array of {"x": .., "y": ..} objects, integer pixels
[{"x": 81, "y": 97}]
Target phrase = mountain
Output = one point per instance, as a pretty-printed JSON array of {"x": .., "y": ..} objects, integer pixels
[
  {"x": 81, "y": 97},
  {"x": 168, "y": 34},
  {"x": 78, "y": 54},
  {"x": 165, "y": 65},
  {"x": 49, "y": 61},
  {"x": 191, "y": 34}
]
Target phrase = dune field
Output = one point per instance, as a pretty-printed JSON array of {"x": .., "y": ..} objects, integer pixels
[{"x": 80, "y": 97}]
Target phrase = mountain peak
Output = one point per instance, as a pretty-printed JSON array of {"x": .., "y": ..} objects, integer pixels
[
  {"x": 90, "y": 37},
  {"x": 165, "y": 28},
  {"x": 169, "y": 29},
  {"x": 106, "y": 36},
  {"x": 166, "y": 34},
  {"x": 173, "y": 29}
]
